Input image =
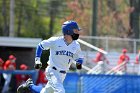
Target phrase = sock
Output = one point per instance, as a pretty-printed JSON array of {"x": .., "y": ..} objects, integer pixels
[{"x": 35, "y": 88}]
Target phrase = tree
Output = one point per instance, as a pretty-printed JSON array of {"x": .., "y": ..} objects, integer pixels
[
  {"x": 4, "y": 19},
  {"x": 80, "y": 11}
]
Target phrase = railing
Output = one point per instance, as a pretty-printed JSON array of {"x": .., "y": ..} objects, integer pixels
[
  {"x": 113, "y": 44},
  {"x": 119, "y": 69}
]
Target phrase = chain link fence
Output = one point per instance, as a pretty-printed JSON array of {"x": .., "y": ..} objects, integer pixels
[
  {"x": 113, "y": 44},
  {"x": 114, "y": 48}
]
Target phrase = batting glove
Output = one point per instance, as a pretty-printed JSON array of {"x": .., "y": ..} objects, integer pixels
[
  {"x": 79, "y": 63},
  {"x": 38, "y": 64},
  {"x": 78, "y": 66},
  {"x": 79, "y": 60}
]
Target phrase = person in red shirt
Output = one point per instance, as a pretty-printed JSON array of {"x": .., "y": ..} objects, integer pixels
[
  {"x": 100, "y": 57},
  {"x": 1, "y": 64},
  {"x": 10, "y": 64},
  {"x": 123, "y": 58},
  {"x": 101, "y": 61},
  {"x": 42, "y": 80},
  {"x": 21, "y": 78}
]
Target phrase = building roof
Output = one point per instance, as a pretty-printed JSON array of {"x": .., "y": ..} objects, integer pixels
[{"x": 19, "y": 42}]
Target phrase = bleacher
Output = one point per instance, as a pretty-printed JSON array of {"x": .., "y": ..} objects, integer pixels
[{"x": 113, "y": 58}]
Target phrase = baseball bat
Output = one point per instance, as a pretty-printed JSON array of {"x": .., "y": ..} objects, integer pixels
[{"x": 91, "y": 46}]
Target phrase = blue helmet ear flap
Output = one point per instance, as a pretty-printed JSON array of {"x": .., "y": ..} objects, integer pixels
[{"x": 68, "y": 26}]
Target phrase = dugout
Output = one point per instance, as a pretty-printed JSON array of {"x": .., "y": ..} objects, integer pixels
[{"x": 22, "y": 48}]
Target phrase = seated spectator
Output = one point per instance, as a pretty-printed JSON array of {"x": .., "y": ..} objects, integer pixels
[
  {"x": 10, "y": 64},
  {"x": 21, "y": 78}
]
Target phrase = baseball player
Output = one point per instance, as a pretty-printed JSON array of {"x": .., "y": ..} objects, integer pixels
[
  {"x": 102, "y": 62},
  {"x": 124, "y": 58},
  {"x": 63, "y": 51}
]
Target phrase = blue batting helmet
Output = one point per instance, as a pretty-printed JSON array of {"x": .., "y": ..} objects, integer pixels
[{"x": 68, "y": 26}]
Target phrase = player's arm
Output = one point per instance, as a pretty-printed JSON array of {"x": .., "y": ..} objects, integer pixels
[
  {"x": 38, "y": 63},
  {"x": 44, "y": 45},
  {"x": 79, "y": 59}
]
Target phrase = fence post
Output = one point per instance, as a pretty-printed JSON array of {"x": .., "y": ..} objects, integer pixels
[
  {"x": 135, "y": 49},
  {"x": 106, "y": 47}
]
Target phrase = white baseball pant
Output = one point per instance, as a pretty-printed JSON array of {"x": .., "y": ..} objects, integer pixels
[{"x": 55, "y": 81}]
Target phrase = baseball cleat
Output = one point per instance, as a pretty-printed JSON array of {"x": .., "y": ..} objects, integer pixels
[{"x": 25, "y": 86}]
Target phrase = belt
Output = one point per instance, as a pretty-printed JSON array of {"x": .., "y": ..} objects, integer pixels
[{"x": 61, "y": 71}]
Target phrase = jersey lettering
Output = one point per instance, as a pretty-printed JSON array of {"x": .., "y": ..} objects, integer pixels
[{"x": 64, "y": 52}]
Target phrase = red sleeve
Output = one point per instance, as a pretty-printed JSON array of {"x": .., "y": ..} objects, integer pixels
[
  {"x": 98, "y": 56},
  {"x": 41, "y": 78},
  {"x": 18, "y": 79},
  {"x": 6, "y": 64},
  {"x": 38, "y": 79},
  {"x": 122, "y": 57}
]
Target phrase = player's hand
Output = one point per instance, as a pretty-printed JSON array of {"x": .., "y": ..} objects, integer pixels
[
  {"x": 79, "y": 63},
  {"x": 78, "y": 66},
  {"x": 38, "y": 64}
]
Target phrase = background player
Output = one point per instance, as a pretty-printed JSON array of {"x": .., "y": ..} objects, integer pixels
[
  {"x": 124, "y": 58},
  {"x": 101, "y": 61},
  {"x": 63, "y": 51},
  {"x": 10, "y": 64}
]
